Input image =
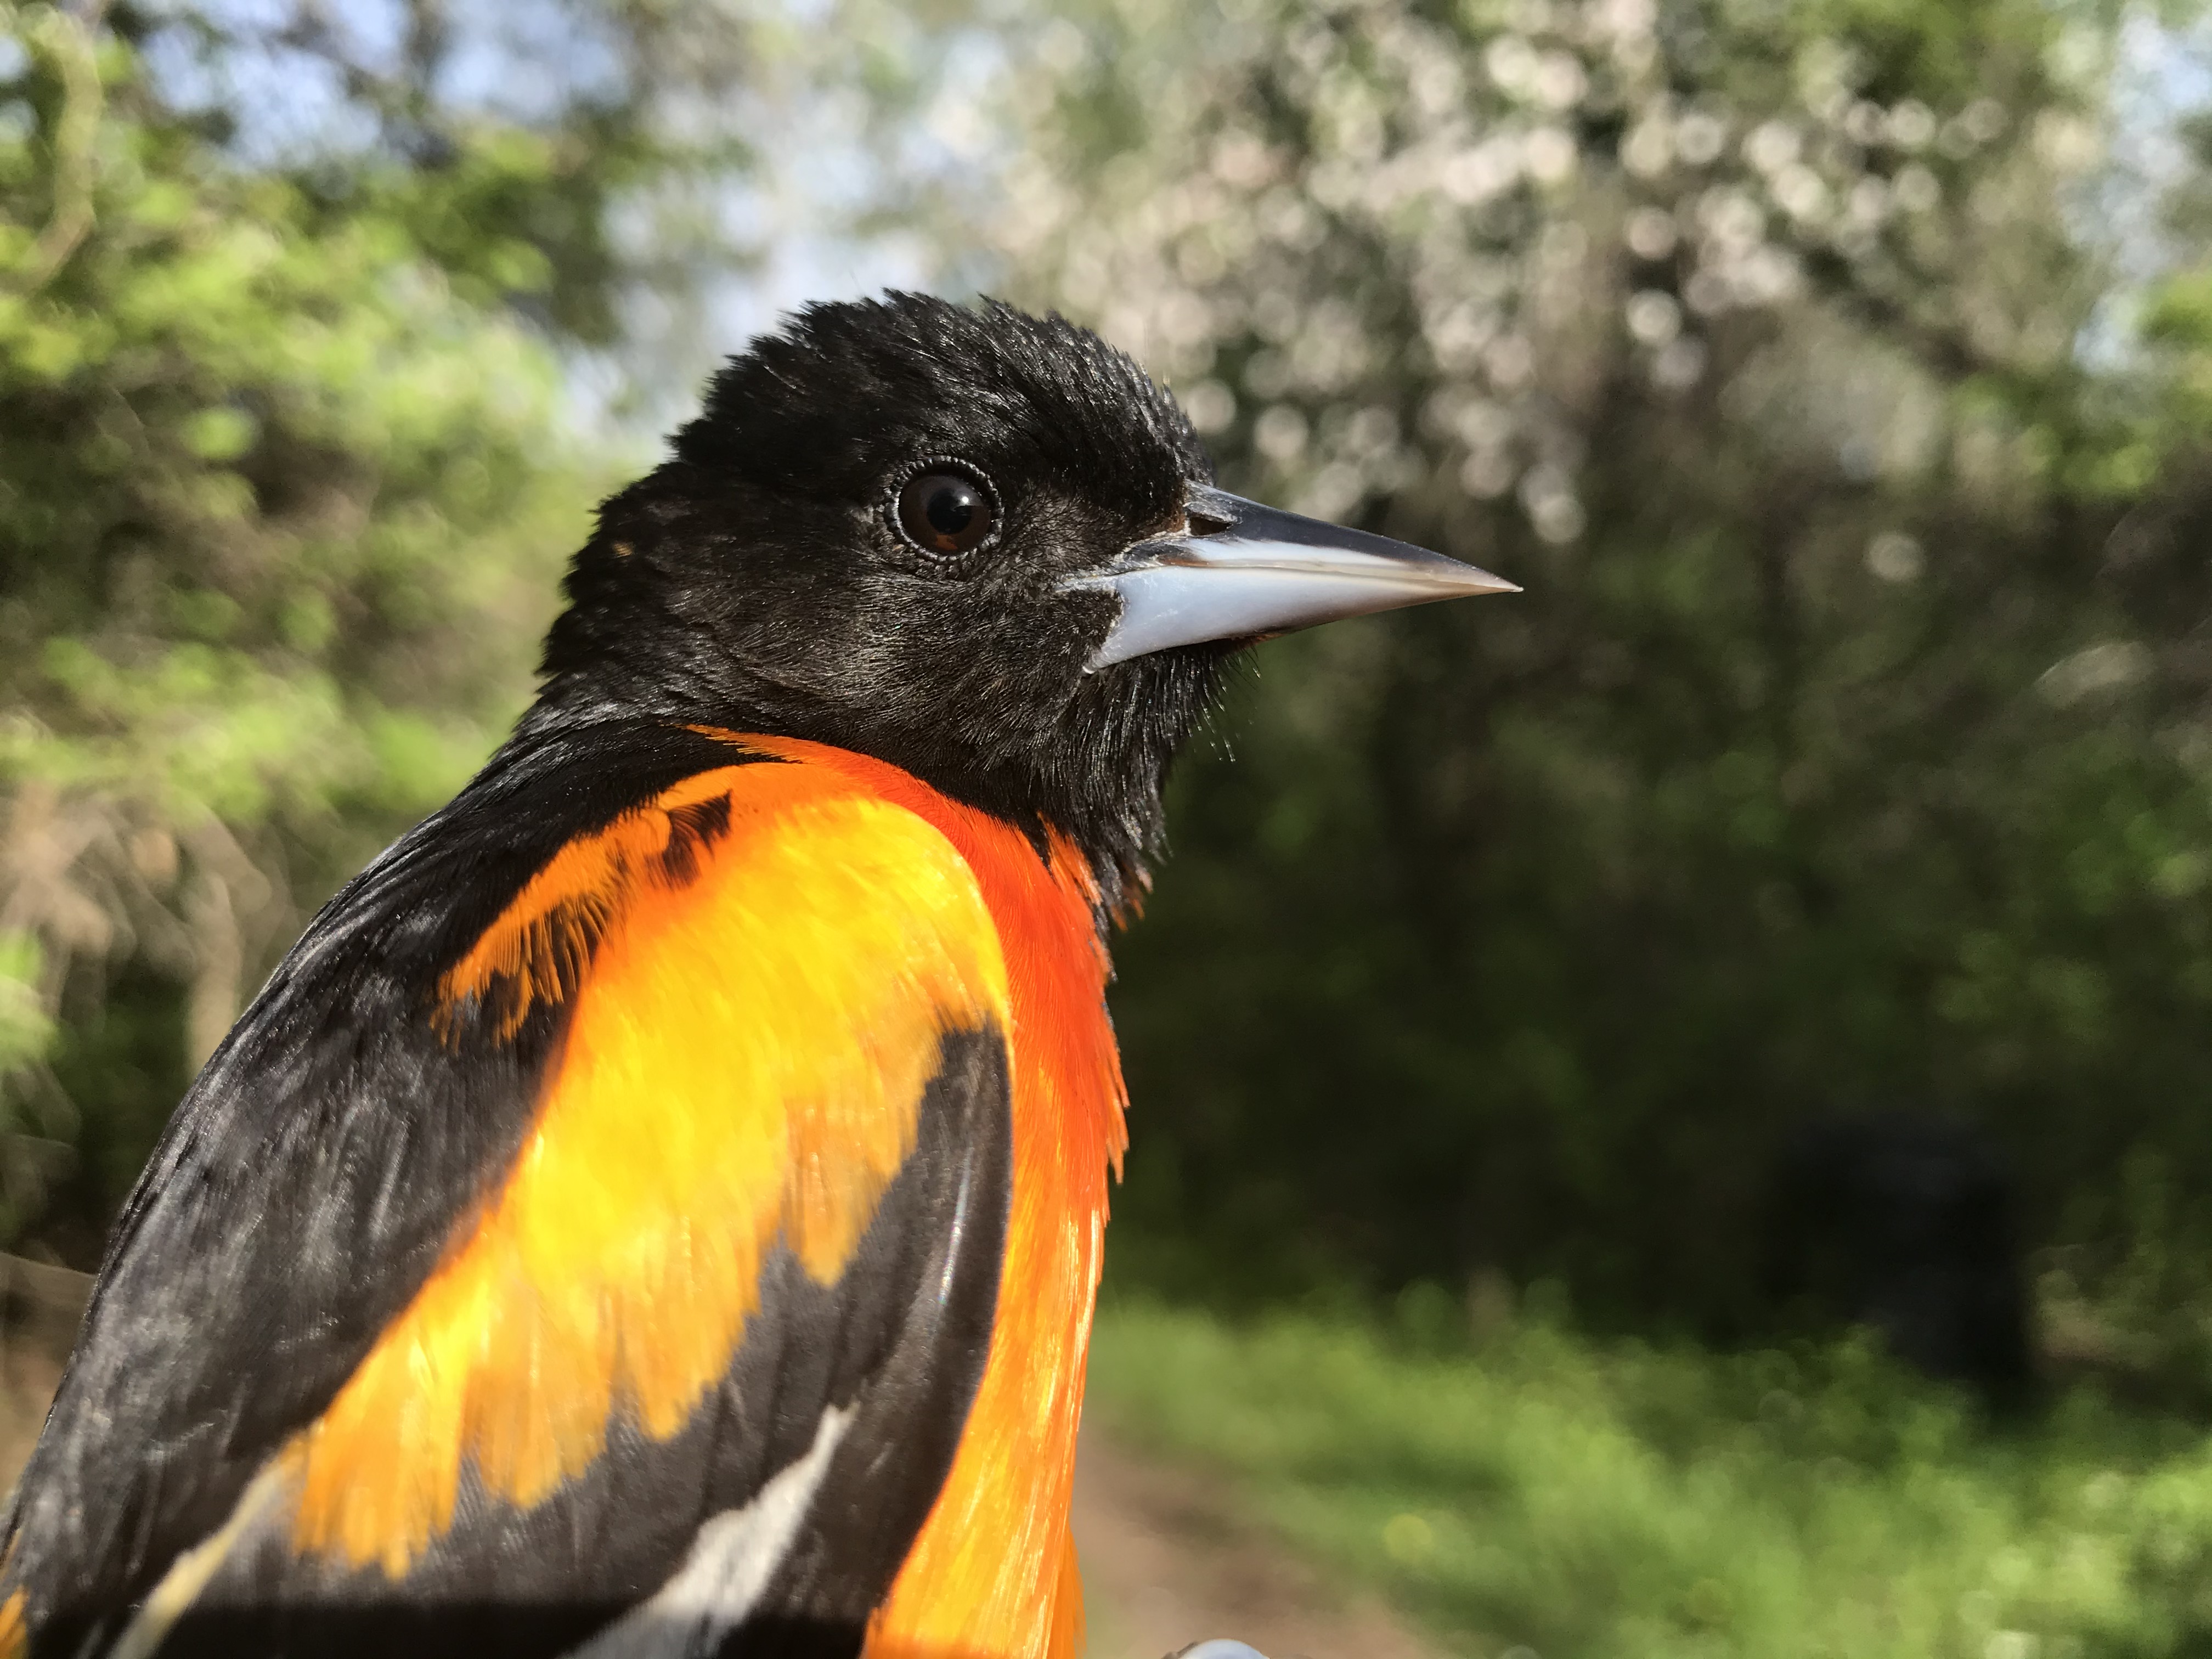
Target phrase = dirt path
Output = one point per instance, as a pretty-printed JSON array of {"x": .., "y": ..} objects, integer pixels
[{"x": 1168, "y": 1561}]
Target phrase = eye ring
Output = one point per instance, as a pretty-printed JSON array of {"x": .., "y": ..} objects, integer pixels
[{"x": 944, "y": 509}]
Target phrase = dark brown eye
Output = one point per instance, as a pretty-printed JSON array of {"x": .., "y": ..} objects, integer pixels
[{"x": 944, "y": 512}]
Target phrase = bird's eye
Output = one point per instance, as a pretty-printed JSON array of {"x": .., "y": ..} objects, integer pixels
[{"x": 946, "y": 512}]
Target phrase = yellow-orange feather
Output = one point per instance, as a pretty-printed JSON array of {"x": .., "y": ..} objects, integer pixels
[{"x": 745, "y": 1060}]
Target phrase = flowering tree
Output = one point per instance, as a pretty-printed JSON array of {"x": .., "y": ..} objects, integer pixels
[{"x": 1830, "y": 759}]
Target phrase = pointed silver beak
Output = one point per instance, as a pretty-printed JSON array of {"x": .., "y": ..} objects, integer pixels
[{"x": 1243, "y": 569}]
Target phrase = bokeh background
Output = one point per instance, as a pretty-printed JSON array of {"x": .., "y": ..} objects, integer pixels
[{"x": 1836, "y": 376}]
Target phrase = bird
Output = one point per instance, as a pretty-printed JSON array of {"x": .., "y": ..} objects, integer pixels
[{"x": 656, "y": 1207}]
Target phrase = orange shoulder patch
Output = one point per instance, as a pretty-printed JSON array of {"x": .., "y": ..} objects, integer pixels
[
  {"x": 537, "y": 950},
  {"x": 760, "y": 964}
]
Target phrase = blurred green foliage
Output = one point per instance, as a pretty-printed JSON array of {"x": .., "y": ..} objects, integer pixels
[
  {"x": 283, "y": 494},
  {"x": 1542, "y": 1491}
]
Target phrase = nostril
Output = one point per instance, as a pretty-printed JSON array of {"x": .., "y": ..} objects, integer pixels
[{"x": 1204, "y": 524}]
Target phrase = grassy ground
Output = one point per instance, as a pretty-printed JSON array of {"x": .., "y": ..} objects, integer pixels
[{"x": 1542, "y": 1495}]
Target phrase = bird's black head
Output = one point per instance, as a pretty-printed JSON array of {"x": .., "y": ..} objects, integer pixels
[{"x": 938, "y": 536}]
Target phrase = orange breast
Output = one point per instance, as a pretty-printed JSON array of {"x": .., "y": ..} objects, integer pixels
[{"x": 992, "y": 1575}]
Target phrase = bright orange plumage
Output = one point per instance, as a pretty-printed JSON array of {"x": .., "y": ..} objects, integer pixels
[
  {"x": 870, "y": 913},
  {"x": 991, "y": 1573}
]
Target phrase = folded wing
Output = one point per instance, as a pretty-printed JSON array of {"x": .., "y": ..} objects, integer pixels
[{"x": 605, "y": 1267}]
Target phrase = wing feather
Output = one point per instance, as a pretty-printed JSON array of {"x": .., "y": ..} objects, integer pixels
[{"x": 606, "y": 1084}]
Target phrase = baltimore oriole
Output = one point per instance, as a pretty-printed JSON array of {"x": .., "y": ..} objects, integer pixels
[{"x": 656, "y": 1207}]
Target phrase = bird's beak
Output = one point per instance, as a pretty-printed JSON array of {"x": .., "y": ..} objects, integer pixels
[{"x": 1241, "y": 570}]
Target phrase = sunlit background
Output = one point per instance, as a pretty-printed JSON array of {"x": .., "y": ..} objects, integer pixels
[{"x": 1672, "y": 1112}]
